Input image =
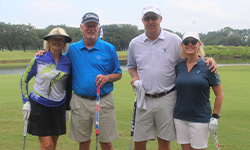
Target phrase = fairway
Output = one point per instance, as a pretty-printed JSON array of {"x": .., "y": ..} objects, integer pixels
[{"x": 233, "y": 130}]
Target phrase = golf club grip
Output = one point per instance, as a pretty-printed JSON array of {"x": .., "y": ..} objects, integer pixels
[
  {"x": 216, "y": 142},
  {"x": 133, "y": 120},
  {"x": 96, "y": 144},
  {"x": 25, "y": 127}
]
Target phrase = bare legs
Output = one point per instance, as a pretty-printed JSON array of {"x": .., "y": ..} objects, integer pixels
[{"x": 48, "y": 142}]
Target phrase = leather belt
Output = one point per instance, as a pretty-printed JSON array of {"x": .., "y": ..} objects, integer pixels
[
  {"x": 160, "y": 94},
  {"x": 91, "y": 97}
]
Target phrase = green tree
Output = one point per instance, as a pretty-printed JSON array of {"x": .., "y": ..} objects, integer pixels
[
  {"x": 120, "y": 35},
  {"x": 2, "y": 38},
  {"x": 40, "y": 34},
  {"x": 11, "y": 34},
  {"x": 27, "y": 36}
]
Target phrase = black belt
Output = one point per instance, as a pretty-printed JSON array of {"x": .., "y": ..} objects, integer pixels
[
  {"x": 160, "y": 94},
  {"x": 91, "y": 97}
]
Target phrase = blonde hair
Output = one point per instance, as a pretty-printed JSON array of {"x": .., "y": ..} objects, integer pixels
[
  {"x": 57, "y": 30},
  {"x": 200, "y": 51}
]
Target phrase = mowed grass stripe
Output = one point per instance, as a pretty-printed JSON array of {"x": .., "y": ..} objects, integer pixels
[{"x": 234, "y": 124}]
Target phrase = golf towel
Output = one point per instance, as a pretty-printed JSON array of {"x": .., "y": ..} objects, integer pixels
[{"x": 140, "y": 95}]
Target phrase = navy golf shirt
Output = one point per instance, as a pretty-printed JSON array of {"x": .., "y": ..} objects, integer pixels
[{"x": 193, "y": 92}]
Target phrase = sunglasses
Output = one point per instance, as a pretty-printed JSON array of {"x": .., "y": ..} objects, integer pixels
[
  {"x": 153, "y": 18},
  {"x": 58, "y": 39},
  {"x": 186, "y": 42},
  {"x": 91, "y": 26}
]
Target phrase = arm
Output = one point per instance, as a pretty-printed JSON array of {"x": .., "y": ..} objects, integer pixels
[
  {"x": 133, "y": 73},
  {"x": 68, "y": 92},
  {"x": 213, "y": 124},
  {"x": 214, "y": 67},
  {"x": 102, "y": 79},
  {"x": 40, "y": 53},
  {"x": 26, "y": 77},
  {"x": 218, "y": 99}
]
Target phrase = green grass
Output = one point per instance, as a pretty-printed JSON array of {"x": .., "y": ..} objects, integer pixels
[
  {"x": 234, "y": 124},
  {"x": 17, "y": 54}
]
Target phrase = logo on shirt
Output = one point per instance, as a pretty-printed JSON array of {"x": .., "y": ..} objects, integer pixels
[
  {"x": 165, "y": 50},
  {"x": 198, "y": 71},
  {"x": 98, "y": 57}
]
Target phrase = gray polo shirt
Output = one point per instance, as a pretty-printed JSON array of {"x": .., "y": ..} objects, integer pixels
[{"x": 155, "y": 61}]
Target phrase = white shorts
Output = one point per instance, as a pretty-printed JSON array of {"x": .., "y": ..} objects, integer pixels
[
  {"x": 193, "y": 133},
  {"x": 157, "y": 118}
]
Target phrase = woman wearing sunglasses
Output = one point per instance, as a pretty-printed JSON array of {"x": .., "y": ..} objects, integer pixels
[
  {"x": 192, "y": 112},
  {"x": 47, "y": 105}
]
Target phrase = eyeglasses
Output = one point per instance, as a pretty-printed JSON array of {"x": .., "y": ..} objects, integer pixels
[
  {"x": 186, "y": 42},
  {"x": 153, "y": 18},
  {"x": 90, "y": 26},
  {"x": 58, "y": 39}
]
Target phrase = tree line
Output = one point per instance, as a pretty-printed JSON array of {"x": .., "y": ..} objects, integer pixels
[{"x": 27, "y": 37}]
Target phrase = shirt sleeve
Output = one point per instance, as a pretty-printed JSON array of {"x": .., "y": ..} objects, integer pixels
[
  {"x": 115, "y": 62},
  {"x": 131, "y": 61},
  {"x": 213, "y": 78},
  {"x": 30, "y": 71}
]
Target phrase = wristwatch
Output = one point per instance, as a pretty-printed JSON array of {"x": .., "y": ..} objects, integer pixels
[{"x": 216, "y": 116}]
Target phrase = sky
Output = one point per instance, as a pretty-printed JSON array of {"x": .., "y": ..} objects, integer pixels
[{"x": 201, "y": 16}]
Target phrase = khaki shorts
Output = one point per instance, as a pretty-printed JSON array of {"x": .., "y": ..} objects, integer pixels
[
  {"x": 83, "y": 118},
  {"x": 193, "y": 133},
  {"x": 157, "y": 118}
]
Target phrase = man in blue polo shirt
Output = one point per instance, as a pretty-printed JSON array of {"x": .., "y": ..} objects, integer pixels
[{"x": 94, "y": 62}]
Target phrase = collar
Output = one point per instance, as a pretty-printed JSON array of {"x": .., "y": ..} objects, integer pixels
[
  {"x": 49, "y": 54},
  {"x": 96, "y": 46},
  {"x": 197, "y": 62},
  {"x": 161, "y": 36}
]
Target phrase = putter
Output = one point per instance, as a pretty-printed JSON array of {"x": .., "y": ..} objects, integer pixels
[
  {"x": 25, "y": 132},
  {"x": 97, "y": 115},
  {"x": 133, "y": 125},
  {"x": 216, "y": 141}
]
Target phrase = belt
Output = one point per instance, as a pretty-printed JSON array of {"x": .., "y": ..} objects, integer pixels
[
  {"x": 91, "y": 97},
  {"x": 160, "y": 94}
]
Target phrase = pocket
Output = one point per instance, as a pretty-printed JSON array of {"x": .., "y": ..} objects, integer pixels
[
  {"x": 74, "y": 102},
  {"x": 107, "y": 102}
]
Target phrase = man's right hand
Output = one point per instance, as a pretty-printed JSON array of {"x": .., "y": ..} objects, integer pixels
[
  {"x": 133, "y": 81},
  {"x": 133, "y": 73},
  {"x": 40, "y": 53}
]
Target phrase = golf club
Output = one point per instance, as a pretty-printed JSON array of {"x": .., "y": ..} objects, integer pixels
[
  {"x": 133, "y": 125},
  {"x": 216, "y": 141},
  {"x": 25, "y": 132},
  {"x": 97, "y": 115}
]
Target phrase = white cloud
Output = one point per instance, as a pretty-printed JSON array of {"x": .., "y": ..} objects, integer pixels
[
  {"x": 205, "y": 15},
  {"x": 46, "y": 12},
  {"x": 55, "y": 7},
  {"x": 178, "y": 15},
  {"x": 201, "y": 8}
]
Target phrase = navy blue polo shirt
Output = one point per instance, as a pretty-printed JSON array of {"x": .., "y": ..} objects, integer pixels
[
  {"x": 193, "y": 92},
  {"x": 87, "y": 64}
]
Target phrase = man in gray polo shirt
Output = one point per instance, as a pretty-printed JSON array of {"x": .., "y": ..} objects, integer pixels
[{"x": 152, "y": 58}]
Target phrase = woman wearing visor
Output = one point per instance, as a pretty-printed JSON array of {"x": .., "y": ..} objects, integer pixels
[
  {"x": 47, "y": 105},
  {"x": 192, "y": 112}
]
